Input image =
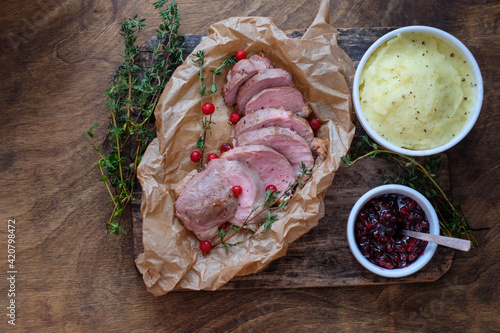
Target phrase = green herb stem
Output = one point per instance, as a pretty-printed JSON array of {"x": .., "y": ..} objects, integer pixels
[
  {"x": 451, "y": 219},
  {"x": 132, "y": 98}
]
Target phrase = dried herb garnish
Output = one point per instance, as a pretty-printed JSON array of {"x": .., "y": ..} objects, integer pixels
[
  {"x": 420, "y": 177},
  {"x": 132, "y": 98}
]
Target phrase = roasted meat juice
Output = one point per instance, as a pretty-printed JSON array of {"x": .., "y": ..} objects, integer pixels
[{"x": 416, "y": 91}]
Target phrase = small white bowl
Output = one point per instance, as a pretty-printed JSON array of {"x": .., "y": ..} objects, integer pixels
[
  {"x": 457, "y": 45},
  {"x": 433, "y": 229}
]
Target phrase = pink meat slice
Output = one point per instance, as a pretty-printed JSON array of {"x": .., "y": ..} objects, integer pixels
[
  {"x": 206, "y": 200},
  {"x": 267, "y": 78},
  {"x": 275, "y": 117},
  {"x": 284, "y": 141},
  {"x": 287, "y": 98},
  {"x": 253, "y": 192},
  {"x": 241, "y": 72},
  {"x": 273, "y": 168}
]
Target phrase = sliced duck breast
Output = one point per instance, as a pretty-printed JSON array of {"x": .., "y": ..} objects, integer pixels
[
  {"x": 253, "y": 192},
  {"x": 206, "y": 200},
  {"x": 275, "y": 117},
  {"x": 267, "y": 78},
  {"x": 273, "y": 168},
  {"x": 183, "y": 183},
  {"x": 288, "y": 98},
  {"x": 284, "y": 141},
  {"x": 241, "y": 72}
]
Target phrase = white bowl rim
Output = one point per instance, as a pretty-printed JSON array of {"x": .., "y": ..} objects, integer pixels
[
  {"x": 433, "y": 229},
  {"x": 447, "y": 38}
]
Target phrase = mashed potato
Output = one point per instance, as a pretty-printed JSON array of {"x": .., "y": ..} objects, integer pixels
[{"x": 416, "y": 91}]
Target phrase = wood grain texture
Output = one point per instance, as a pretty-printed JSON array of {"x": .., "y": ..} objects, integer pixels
[
  {"x": 56, "y": 57},
  {"x": 322, "y": 258}
]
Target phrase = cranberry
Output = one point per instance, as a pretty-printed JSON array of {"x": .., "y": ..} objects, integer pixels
[
  {"x": 240, "y": 55},
  {"x": 271, "y": 188},
  {"x": 212, "y": 157},
  {"x": 411, "y": 205},
  {"x": 389, "y": 265},
  {"x": 234, "y": 117},
  {"x": 208, "y": 108},
  {"x": 315, "y": 124},
  {"x": 376, "y": 230},
  {"x": 195, "y": 156},
  {"x": 224, "y": 226},
  {"x": 205, "y": 246},
  {"x": 237, "y": 190},
  {"x": 368, "y": 224},
  {"x": 225, "y": 147}
]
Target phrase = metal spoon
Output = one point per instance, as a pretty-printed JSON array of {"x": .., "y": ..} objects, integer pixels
[{"x": 454, "y": 243}]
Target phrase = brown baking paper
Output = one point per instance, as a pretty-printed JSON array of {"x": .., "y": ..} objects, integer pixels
[{"x": 322, "y": 72}]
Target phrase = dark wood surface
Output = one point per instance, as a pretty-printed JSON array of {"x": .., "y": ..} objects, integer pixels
[
  {"x": 322, "y": 258},
  {"x": 56, "y": 57}
]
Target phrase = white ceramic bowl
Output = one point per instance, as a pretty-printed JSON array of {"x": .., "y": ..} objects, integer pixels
[
  {"x": 433, "y": 229},
  {"x": 457, "y": 45}
]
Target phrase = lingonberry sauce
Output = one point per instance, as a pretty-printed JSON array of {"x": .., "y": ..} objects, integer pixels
[{"x": 376, "y": 230}]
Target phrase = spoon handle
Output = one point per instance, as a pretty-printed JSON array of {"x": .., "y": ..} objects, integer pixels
[{"x": 454, "y": 243}]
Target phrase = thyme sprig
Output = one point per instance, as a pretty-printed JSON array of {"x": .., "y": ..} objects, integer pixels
[
  {"x": 218, "y": 71},
  {"x": 132, "y": 97},
  {"x": 275, "y": 202},
  {"x": 206, "y": 121},
  {"x": 420, "y": 177}
]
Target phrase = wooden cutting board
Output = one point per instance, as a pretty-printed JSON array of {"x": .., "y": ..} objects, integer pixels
[{"x": 322, "y": 258}]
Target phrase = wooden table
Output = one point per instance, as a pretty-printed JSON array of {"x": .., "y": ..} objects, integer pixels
[{"x": 56, "y": 58}]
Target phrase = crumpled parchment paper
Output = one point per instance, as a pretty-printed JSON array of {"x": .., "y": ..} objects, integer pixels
[{"x": 322, "y": 72}]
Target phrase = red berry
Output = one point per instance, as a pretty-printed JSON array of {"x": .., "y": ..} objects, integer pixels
[
  {"x": 315, "y": 124},
  {"x": 212, "y": 157},
  {"x": 271, "y": 188},
  {"x": 225, "y": 147},
  {"x": 195, "y": 156},
  {"x": 234, "y": 117},
  {"x": 237, "y": 190},
  {"x": 224, "y": 226},
  {"x": 205, "y": 246},
  {"x": 208, "y": 108},
  {"x": 240, "y": 55}
]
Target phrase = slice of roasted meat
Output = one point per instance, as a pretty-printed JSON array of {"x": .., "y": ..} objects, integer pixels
[
  {"x": 241, "y": 72},
  {"x": 206, "y": 200},
  {"x": 268, "y": 78},
  {"x": 275, "y": 117},
  {"x": 253, "y": 195},
  {"x": 273, "y": 168},
  {"x": 287, "y": 98},
  {"x": 284, "y": 141}
]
